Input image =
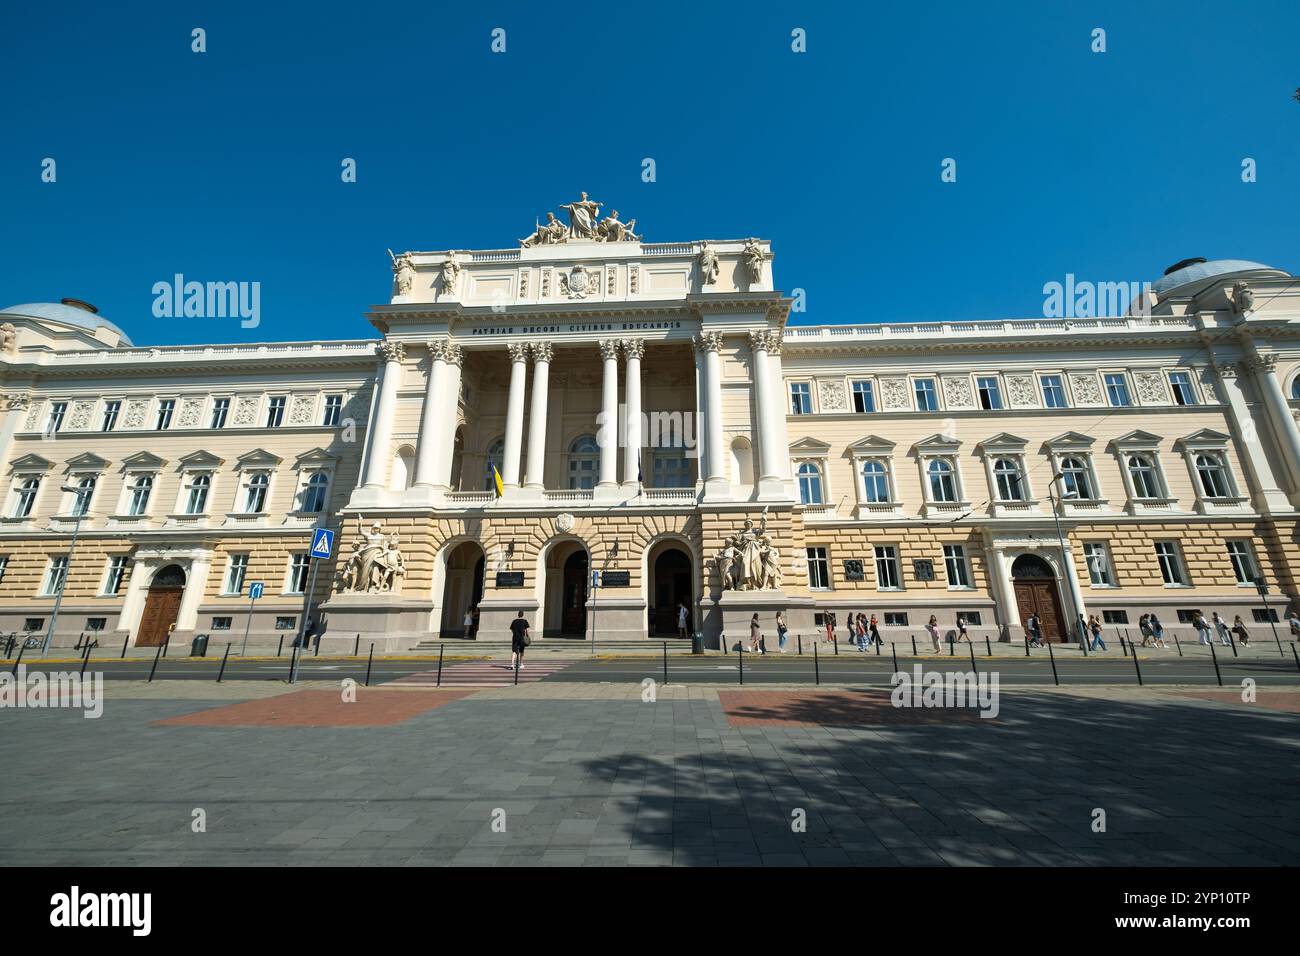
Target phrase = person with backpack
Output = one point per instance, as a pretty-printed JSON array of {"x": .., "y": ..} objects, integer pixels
[
  {"x": 520, "y": 638},
  {"x": 1035, "y": 628}
]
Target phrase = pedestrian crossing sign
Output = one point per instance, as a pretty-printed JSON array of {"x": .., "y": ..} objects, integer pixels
[{"x": 322, "y": 543}]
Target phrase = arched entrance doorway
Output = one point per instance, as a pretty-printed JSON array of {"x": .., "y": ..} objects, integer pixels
[
  {"x": 162, "y": 605},
  {"x": 462, "y": 587},
  {"x": 566, "y": 590},
  {"x": 670, "y": 584},
  {"x": 1036, "y": 593}
]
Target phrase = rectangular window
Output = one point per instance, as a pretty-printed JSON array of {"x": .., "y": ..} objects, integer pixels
[
  {"x": 298, "y": 573},
  {"x": 1181, "y": 385},
  {"x": 1243, "y": 562},
  {"x": 33, "y": 624},
  {"x": 235, "y": 572},
  {"x": 333, "y": 410},
  {"x": 1098, "y": 558},
  {"x": 1186, "y": 615},
  {"x": 165, "y": 409},
  {"x": 1117, "y": 390},
  {"x": 4, "y": 566},
  {"x": 927, "y": 397},
  {"x": 989, "y": 392},
  {"x": 864, "y": 397},
  {"x": 819, "y": 569},
  {"x": 110, "y": 416},
  {"x": 887, "y": 576},
  {"x": 972, "y": 618},
  {"x": 55, "y": 575},
  {"x": 895, "y": 619},
  {"x": 1265, "y": 617},
  {"x": 116, "y": 573},
  {"x": 221, "y": 623},
  {"x": 220, "y": 407},
  {"x": 1171, "y": 563},
  {"x": 954, "y": 560},
  {"x": 1053, "y": 391},
  {"x": 1114, "y": 617},
  {"x": 96, "y": 624},
  {"x": 275, "y": 411},
  {"x": 286, "y": 623},
  {"x": 800, "y": 398},
  {"x": 57, "y": 411}
]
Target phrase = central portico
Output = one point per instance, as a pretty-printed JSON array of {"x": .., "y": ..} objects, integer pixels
[{"x": 628, "y": 396}]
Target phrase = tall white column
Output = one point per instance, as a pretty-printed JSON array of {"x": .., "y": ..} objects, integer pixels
[
  {"x": 450, "y": 404},
  {"x": 542, "y": 353},
  {"x": 607, "y": 433},
  {"x": 1004, "y": 591},
  {"x": 515, "y": 414},
  {"x": 1263, "y": 369},
  {"x": 1266, "y": 496},
  {"x": 709, "y": 344},
  {"x": 430, "y": 448},
  {"x": 776, "y": 373},
  {"x": 771, "y": 447},
  {"x": 633, "y": 349},
  {"x": 378, "y": 448}
]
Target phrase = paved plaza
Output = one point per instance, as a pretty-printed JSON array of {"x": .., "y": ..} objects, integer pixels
[{"x": 555, "y": 773}]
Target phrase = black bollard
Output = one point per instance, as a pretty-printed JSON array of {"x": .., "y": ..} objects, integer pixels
[
  {"x": 85, "y": 659},
  {"x": 988, "y": 647},
  {"x": 1215, "y": 657},
  {"x": 280, "y": 646},
  {"x": 222, "y": 673},
  {"x": 878, "y": 643},
  {"x": 293, "y": 662},
  {"x": 1137, "y": 667},
  {"x": 125, "y": 642},
  {"x": 1178, "y": 644},
  {"x": 801, "y": 645},
  {"x": 1293, "y": 654},
  {"x": 974, "y": 669},
  {"x": 19, "y": 659},
  {"x": 1026, "y": 645},
  {"x": 369, "y": 662},
  {"x": 835, "y": 643},
  {"x": 1052, "y": 657},
  {"x": 817, "y": 668},
  {"x": 441, "y": 648},
  {"x": 1280, "y": 652},
  {"x": 913, "y": 645},
  {"x": 742, "y": 664},
  {"x": 1123, "y": 646},
  {"x": 356, "y": 647},
  {"x": 157, "y": 654},
  {"x": 516, "y": 670},
  {"x": 167, "y": 640},
  {"x": 894, "y": 654},
  {"x": 952, "y": 646},
  {"x": 665, "y": 662},
  {"x": 1232, "y": 641}
]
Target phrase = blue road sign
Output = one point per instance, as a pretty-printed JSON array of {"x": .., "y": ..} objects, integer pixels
[
  {"x": 322, "y": 543},
  {"x": 255, "y": 590}
]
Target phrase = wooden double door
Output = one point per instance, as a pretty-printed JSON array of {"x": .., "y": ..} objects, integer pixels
[
  {"x": 1038, "y": 595},
  {"x": 162, "y": 607}
]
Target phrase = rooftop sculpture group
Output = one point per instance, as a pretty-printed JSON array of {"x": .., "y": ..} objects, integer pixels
[{"x": 584, "y": 223}]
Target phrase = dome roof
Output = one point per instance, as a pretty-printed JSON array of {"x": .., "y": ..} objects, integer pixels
[
  {"x": 1201, "y": 272},
  {"x": 82, "y": 318}
]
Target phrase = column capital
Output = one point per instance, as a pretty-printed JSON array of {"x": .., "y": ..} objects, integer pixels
[
  {"x": 775, "y": 340},
  {"x": 758, "y": 340},
  {"x": 391, "y": 351},
  {"x": 708, "y": 342},
  {"x": 608, "y": 348},
  {"x": 542, "y": 351},
  {"x": 1258, "y": 363},
  {"x": 453, "y": 353},
  {"x": 633, "y": 348},
  {"x": 518, "y": 351},
  {"x": 438, "y": 349}
]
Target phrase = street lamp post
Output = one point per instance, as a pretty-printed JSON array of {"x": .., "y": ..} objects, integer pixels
[
  {"x": 1066, "y": 567},
  {"x": 79, "y": 511}
]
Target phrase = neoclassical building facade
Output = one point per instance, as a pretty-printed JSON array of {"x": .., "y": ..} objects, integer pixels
[{"x": 596, "y": 430}]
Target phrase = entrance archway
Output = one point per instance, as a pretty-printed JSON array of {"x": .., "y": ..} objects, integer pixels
[
  {"x": 462, "y": 587},
  {"x": 671, "y": 577},
  {"x": 1034, "y": 583},
  {"x": 162, "y": 606},
  {"x": 565, "y": 605}
]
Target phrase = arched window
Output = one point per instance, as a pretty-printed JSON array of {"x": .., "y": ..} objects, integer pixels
[
  {"x": 255, "y": 502},
  {"x": 1146, "y": 481},
  {"x": 1006, "y": 473},
  {"x": 1295, "y": 389},
  {"x": 495, "y": 453},
  {"x": 584, "y": 462},
  {"x": 197, "y": 501},
  {"x": 1214, "y": 476},
  {"x": 875, "y": 482},
  {"x": 140, "y": 490},
  {"x": 313, "y": 496},
  {"x": 81, "y": 501},
  {"x": 943, "y": 487},
  {"x": 26, "y": 497},
  {"x": 1075, "y": 479},
  {"x": 810, "y": 484}
]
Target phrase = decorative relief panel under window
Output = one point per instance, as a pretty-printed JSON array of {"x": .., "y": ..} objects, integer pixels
[
  {"x": 1085, "y": 388},
  {"x": 894, "y": 395},
  {"x": 80, "y": 417},
  {"x": 830, "y": 396},
  {"x": 136, "y": 410},
  {"x": 245, "y": 412},
  {"x": 957, "y": 393},
  {"x": 1151, "y": 388},
  {"x": 1021, "y": 391},
  {"x": 33, "y": 417},
  {"x": 302, "y": 411},
  {"x": 1209, "y": 385}
]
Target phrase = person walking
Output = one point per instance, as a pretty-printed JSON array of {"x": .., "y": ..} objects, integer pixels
[
  {"x": 469, "y": 623},
  {"x": 1294, "y": 622},
  {"x": 860, "y": 629},
  {"x": 1221, "y": 628},
  {"x": 519, "y": 641},
  {"x": 1094, "y": 626},
  {"x": 932, "y": 628},
  {"x": 755, "y": 634},
  {"x": 1144, "y": 626},
  {"x": 1202, "y": 628},
  {"x": 1239, "y": 629},
  {"x": 1035, "y": 628},
  {"x": 829, "y": 618},
  {"x": 874, "y": 629},
  {"x": 682, "y": 616},
  {"x": 1157, "y": 630},
  {"x": 961, "y": 630},
  {"x": 781, "y": 632}
]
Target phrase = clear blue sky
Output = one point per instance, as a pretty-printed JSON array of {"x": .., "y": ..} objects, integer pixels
[{"x": 225, "y": 166}]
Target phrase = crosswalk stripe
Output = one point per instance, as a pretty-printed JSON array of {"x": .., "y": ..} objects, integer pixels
[{"x": 482, "y": 674}]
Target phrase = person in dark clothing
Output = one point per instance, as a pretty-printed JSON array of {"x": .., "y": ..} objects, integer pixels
[{"x": 519, "y": 640}]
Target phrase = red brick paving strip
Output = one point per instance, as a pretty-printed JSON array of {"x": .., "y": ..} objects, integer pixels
[
  {"x": 321, "y": 708},
  {"x": 1281, "y": 702},
  {"x": 767, "y": 708}
]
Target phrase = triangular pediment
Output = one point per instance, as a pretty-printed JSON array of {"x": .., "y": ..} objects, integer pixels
[
  {"x": 143, "y": 460},
  {"x": 1137, "y": 438},
  {"x": 30, "y": 462},
  {"x": 1207, "y": 437},
  {"x": 872, "y": 443},
  {"x": 316, "y": 456},
  {"x": 200, "y": 459},
  {"x": 258, "y": 458},
  {"x": 1003, "y": 440},
  {"x": 88, "y": 461},
  {"x": 808, "y": 445},
  {"x": 1071, "y": 440},
  {"x": 937, "y": 442}
]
